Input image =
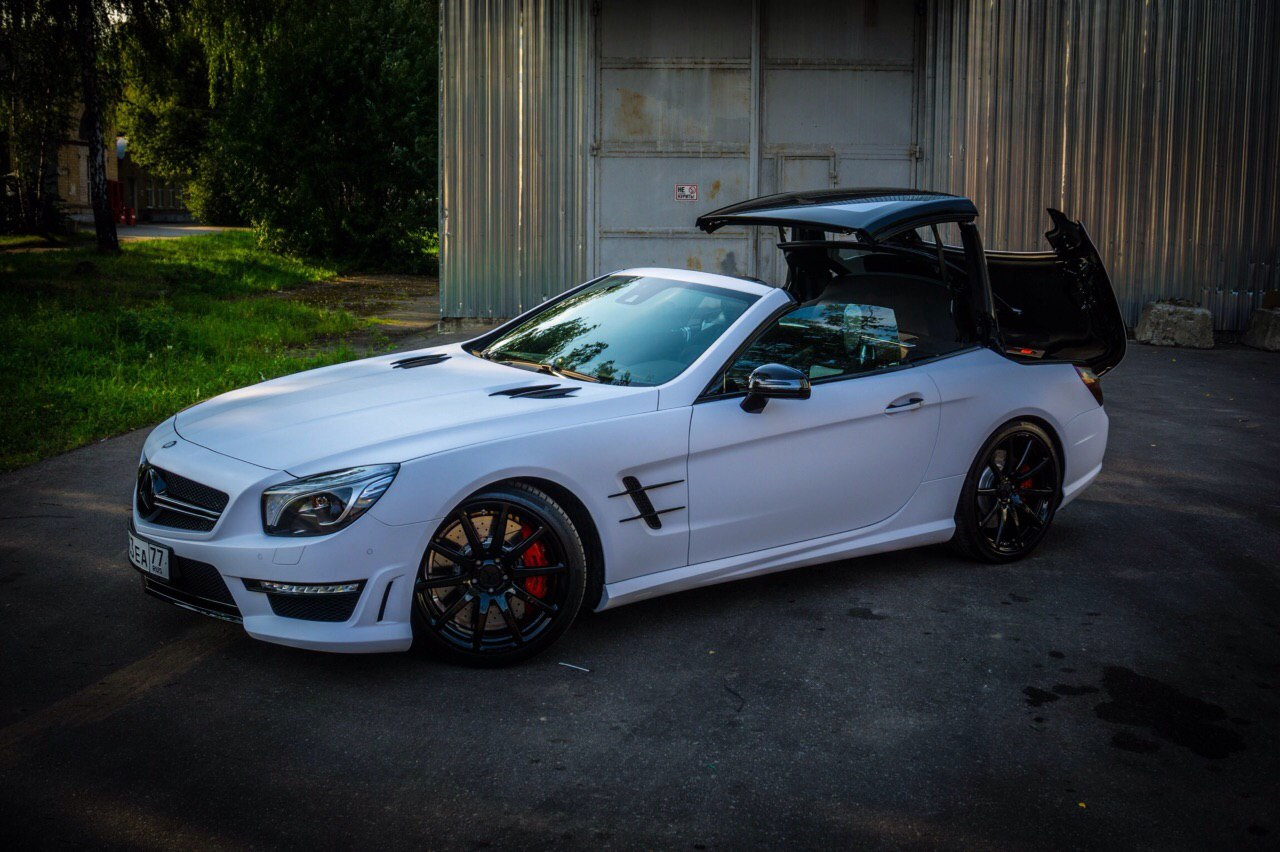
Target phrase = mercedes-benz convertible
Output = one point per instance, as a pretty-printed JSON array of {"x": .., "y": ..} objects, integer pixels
[{"x": 649, "y": 431}]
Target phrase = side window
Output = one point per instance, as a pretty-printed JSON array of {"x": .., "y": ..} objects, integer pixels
[
  {"x": 859, "y": 324},
  {"x": 825, "y": 340}
]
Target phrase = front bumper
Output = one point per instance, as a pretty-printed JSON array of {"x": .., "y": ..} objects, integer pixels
[
  {"x": 195, "y": 586},
  {"x": 210, "y": 568},
  {"x": 214, "y": 578}
]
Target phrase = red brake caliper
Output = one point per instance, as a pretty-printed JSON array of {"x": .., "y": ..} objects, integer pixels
[{"x": 534, "y": 557}]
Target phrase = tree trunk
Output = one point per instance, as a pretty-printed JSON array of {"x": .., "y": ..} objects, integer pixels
[{"x": 104, "y": 223}]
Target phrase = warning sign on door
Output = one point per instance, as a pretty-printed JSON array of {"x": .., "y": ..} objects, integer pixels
[{"x": 686, "y": 192}]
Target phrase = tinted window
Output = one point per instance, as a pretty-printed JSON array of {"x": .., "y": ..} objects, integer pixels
[
  {"x": 860, "y": 323},
  {"x": 624, "y": 330}
]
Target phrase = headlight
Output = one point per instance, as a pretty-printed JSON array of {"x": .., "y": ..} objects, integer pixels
[{"x": 318, "y": 505}]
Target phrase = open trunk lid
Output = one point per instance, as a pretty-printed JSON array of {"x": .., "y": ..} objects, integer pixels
[{"x": 1059, "y": 305}]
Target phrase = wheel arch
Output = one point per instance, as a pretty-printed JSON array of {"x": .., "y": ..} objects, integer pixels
[
  {"x": 1049, "y": 429},
  {"x": 1035, "y": 416},
  {"x": 580, "y": 515},
  {"x": 967, "y": 539}
]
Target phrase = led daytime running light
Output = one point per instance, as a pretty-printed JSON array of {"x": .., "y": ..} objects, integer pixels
[{"x": 307, "y": 588}]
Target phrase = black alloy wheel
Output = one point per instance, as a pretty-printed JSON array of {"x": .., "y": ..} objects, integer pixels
[
  {"x": 502, "y": 578},
  {"x": 1010, "y": 496}
]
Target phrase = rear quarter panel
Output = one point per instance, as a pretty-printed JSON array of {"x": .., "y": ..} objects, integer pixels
[{"x": 981, "y": 390}]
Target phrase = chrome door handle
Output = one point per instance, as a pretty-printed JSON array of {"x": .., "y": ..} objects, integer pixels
[{"x": 910, "y": 404}]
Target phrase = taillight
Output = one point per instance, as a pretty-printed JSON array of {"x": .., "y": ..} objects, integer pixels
[{"x": 1091, "y": 381}]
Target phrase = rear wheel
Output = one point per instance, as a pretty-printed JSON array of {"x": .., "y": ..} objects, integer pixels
[
  {"x": 1010, "y": 496},
  {"x": 502, "y": 578}
]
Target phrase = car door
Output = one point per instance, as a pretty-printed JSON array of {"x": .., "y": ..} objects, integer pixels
[{"x": 849, "y": 456}]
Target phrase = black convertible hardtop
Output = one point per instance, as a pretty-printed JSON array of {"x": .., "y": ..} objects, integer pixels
[
  {"x": 1043, "y": 306},
  {"x": 872, "y": 214}
]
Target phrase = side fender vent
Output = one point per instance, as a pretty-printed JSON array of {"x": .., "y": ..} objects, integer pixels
[
  {"x": 640, "y": 498},
  {"x": 537, "y": 392},
  {"x": 419, "y": 361}
]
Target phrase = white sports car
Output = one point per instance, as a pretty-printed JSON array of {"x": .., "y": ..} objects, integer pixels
[{"x": 650, "y": 431}]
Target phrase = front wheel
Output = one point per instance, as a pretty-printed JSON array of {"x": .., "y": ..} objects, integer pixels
[
  {"x": 502, "y": 578},
  {"x": 1010, "y": 495}
]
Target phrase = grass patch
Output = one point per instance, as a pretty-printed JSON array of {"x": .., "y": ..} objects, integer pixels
[
  {"x": 94, "y": 346},
  {"x": 25, "y": 241}
]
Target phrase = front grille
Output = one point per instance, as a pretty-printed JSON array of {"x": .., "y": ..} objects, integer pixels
[
  {"x": 190, "y": 491},
  {"x": 180, "y": 521},
  {"x": 315, "y": 607},
  {"x": 166, "y": 499}
]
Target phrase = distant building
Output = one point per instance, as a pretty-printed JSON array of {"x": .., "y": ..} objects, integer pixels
[
  {"x": 73, "y": 169},
  {"x": 152, "y": 199},
  {"x": 131, "y": 187}
]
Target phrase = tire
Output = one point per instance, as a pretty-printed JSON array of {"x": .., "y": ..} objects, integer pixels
[
  {"x": 524, "y": 588},
  {"x": 1003, "y": 515}
]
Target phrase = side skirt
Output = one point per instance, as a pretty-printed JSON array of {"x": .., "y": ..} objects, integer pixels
[{"x": 927, "y": 518}]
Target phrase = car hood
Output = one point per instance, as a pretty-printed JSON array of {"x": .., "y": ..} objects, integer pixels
[{"x": 393, "y": 408}]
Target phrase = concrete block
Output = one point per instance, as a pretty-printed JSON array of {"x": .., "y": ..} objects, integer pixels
[
  {"x": 1263, "y": 331},
  {"x": 1175, "y": 324}
]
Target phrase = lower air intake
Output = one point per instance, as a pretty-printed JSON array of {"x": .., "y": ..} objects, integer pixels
[{"x": 337, "y": 607}]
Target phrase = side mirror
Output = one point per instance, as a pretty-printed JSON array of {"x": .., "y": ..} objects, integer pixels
[{"x": 774, "y": 381}]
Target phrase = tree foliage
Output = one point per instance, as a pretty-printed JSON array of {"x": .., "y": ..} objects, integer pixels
[
  {"x": 167, "y": 109},
  {"x": 91, "y": 22},
  {"x": 57, "y": 62},
  {"x": 165, "y": 105},
  {"x": 315, "y": 120},
  {"x": 39, "y": 88}
]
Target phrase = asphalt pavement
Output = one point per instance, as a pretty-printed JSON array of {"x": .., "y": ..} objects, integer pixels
[
  {"x": 1120, "y": 688},
  {"x": 161, "y": 230}
]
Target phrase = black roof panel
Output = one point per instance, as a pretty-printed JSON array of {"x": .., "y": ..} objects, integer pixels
[{"x": 873, "y": 212}]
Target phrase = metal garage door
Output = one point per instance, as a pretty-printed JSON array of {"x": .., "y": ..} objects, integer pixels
[{"x": 699, "y": 105}]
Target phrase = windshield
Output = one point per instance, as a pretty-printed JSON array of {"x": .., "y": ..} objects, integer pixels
[{"x": 623, "y": 330}]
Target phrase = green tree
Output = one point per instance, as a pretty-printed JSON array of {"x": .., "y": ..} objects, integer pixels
[
  {"x": 167, "y": 108},
  {"x": 315, "y": 120},
  {"x": 55, "y": 54},
  {"x": 39, "y": 88},
  {"x": 90, "y": 26},
  {"x": 331, "y": 116}
]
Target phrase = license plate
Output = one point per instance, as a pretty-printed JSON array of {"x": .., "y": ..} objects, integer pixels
[{"x": 149, "y": 557}]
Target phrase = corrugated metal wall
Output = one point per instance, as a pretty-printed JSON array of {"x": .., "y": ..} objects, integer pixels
[
  {"x": 1156, "y": 123},
  {"x": 731, "y": 99},
  {"x": 514, "y": 153}
]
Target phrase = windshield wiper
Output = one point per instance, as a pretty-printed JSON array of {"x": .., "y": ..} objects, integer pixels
[
  {"x": 570, "y": 374},
  {"x": 539, "y": 367},
  {"x": 521, "y": 363}
]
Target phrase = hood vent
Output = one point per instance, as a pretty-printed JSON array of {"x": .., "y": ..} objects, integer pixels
[
  {"x": 419, "y": 361},
  {"x": 537, "y": 392}
]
